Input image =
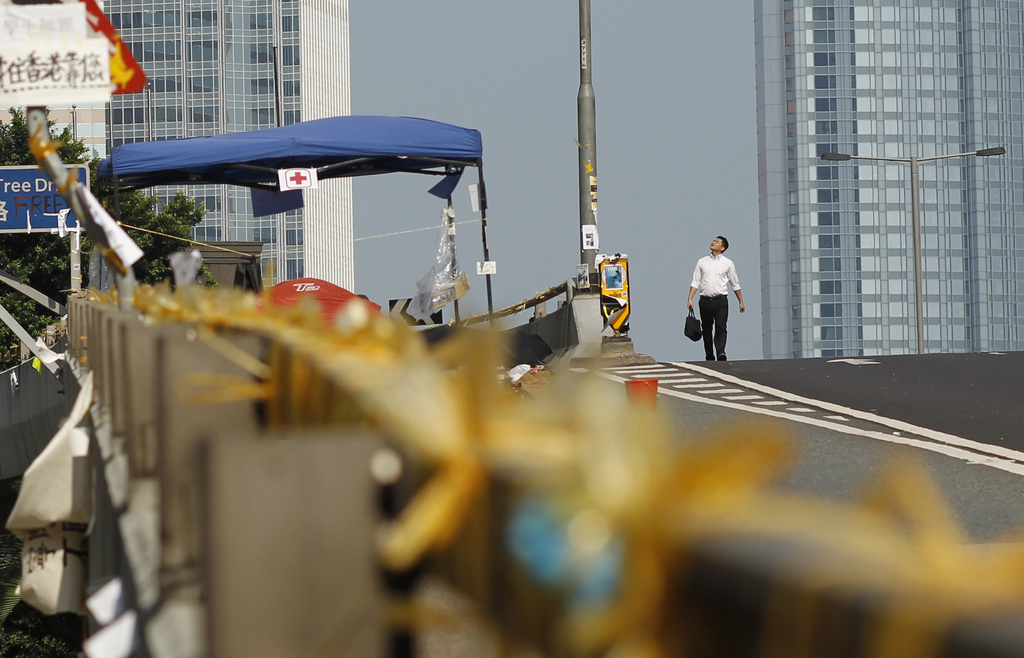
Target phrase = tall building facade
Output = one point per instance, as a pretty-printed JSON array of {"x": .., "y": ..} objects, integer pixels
[
  {"x": 221, "y": 66},
  {"x": 889, "y": 78}
]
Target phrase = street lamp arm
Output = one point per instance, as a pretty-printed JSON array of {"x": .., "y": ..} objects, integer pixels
[{"x": 943, "y": 157}]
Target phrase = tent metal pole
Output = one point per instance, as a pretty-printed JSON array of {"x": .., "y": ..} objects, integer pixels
[
  {"x": 450, "y": 221},
  {"x": 483, "y": 234}
]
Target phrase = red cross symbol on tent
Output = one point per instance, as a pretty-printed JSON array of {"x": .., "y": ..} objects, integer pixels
[{"x": 296, "y": 179}]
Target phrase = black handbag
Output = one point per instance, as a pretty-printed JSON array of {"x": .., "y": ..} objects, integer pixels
[{"x": 692, "y": 327}]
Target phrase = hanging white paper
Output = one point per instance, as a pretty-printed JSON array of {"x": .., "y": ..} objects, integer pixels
[
  {"x": 117, "y": 239},
  {"x": 486, "y": 267},
  {"x": 107, "y": 602},
  {"x": 474, "y": 197},
  {"x": 591, "y": 239},
  {"x": 114, "y": 641}
]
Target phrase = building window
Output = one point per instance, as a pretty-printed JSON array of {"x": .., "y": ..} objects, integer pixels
[
  {"x": 261, "y": 116},
  {"x": 202, "y": 18},
  {"x": 128, "y": 115},
  {"x": 824, "y": 59},
  {"x": 831, "y": 287},
  {"x": 203, "y": 83},
  {"x": 260, "y": 86},
  {"x": 168, "y": 113},
  {"x": 825, "y": 105},
  {"x": 828, "y": 219},
  {"x": 260, "y": 21},
  {"x": 289, "y": 23},
  {"x": 168, "y": 83},
  {"x": 259, "y": 53},
  {"x": 830, "y": 264},
  {"x": 293, "y": 237},
  {"x": 828, "y": 242},
  {"x": 831, "y": 310},
  {"x": 266, "y": 235},
  {"x": 828, "y": 173},
  {"x": 205, "y": 114},
  {"x": 824, "y": 14},
  {"x": 291, "y": 116},
  {"x": 290, "y": 55},
  {"x": 824, "y": 82},
  {"x": 826, "y": 127},
  {"x": 824, "y": 36},
  {"x": 204, "y": 51},
  {"x": 831, "y": 333},
  {"x": 291, "y": 88}
]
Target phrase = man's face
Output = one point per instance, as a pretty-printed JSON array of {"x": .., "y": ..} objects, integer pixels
[{"x": 717, "y": 245}]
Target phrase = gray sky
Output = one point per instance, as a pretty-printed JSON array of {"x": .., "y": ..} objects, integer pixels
[{"x": 676, "y": 135}]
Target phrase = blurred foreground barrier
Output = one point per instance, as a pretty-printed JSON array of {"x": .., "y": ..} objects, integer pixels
[{"x": 262, "y": 479}]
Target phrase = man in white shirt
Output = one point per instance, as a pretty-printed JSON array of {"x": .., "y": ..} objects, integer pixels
[{"x": 712, "y": 278}]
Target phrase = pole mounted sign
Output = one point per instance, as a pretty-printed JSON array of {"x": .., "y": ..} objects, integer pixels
[{"x": 30, "y": 202}]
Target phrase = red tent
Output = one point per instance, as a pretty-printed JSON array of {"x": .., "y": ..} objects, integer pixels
[{"x": 330, "y": 297}]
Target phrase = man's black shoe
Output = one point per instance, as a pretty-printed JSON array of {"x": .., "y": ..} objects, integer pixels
[
  {"x": 709, "y": 358},
  {"x": 721, "y": 357}
]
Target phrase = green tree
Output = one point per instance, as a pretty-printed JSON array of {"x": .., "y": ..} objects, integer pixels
[{"x": 43, "y": 261}]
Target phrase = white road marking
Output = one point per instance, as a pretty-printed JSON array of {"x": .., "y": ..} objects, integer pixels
[
  {"x": 942, "y": 448},
  {"x": 771, "y": 403},
  {"x": 857, "y": 362},
  {"x": 934, "y": 435},
  {"x": 681, "y": 380},
  {"x": 742, "y": 397},
  {"x": 630, "y": 369},
  {"x": 837, "y": 418},
  {"x": 801, "y": 410},
  {"x": 723, "y": 390},
  {"x": 697, "y": 385}
]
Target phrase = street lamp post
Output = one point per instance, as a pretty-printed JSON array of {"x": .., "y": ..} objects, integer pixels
[{"x": 915, "y": 215}]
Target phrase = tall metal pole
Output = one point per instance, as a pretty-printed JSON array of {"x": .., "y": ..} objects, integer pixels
[
  {"x": 586, "y": 117},
  {"x": 918, "y": 284},
  {"x": 483, "y": 235}
]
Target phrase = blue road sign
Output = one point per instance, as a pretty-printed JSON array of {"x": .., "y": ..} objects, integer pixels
[{"x": 30, "y": 202}]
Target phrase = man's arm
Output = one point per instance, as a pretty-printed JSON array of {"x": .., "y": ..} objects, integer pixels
[
  {"x": 734, "y": 279},
  {"x": 694, "y": 284}
]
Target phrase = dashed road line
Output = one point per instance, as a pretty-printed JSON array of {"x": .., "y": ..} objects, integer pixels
[
  {"x": 952, "y": 445},
  {"x": 697, "y": 385},
  {"x": 837, "y": 418},
  {"x": 750, "y": 397},
  {"x": 945, "y": 444},
  {"x": 722, "y": 390},
  {"x": 771, "y": 403},
  {"x": 801, "y": 410}
]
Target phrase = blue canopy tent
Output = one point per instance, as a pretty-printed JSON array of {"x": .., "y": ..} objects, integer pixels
[{"x": 336, "y": 147}]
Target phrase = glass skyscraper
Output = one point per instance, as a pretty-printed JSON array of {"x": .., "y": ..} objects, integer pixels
[
  {"x": 889, "y": 78},
  {"x": 211, "y": 70}
]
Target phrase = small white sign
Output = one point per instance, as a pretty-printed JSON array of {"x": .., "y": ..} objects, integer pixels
[
  {"x": 296, "y": 179},
  {"x": 486, "y": 267},
  {"x": 583, "y": 275},
  {"x": 474, "y": 197},
  {"x": 591, "y": 239}
]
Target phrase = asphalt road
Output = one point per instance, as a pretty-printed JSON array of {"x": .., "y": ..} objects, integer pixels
[{"x": 838, "y": 454}]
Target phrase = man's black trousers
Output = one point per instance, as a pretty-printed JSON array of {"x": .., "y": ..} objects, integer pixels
[{"x": 714, "y": 315}]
